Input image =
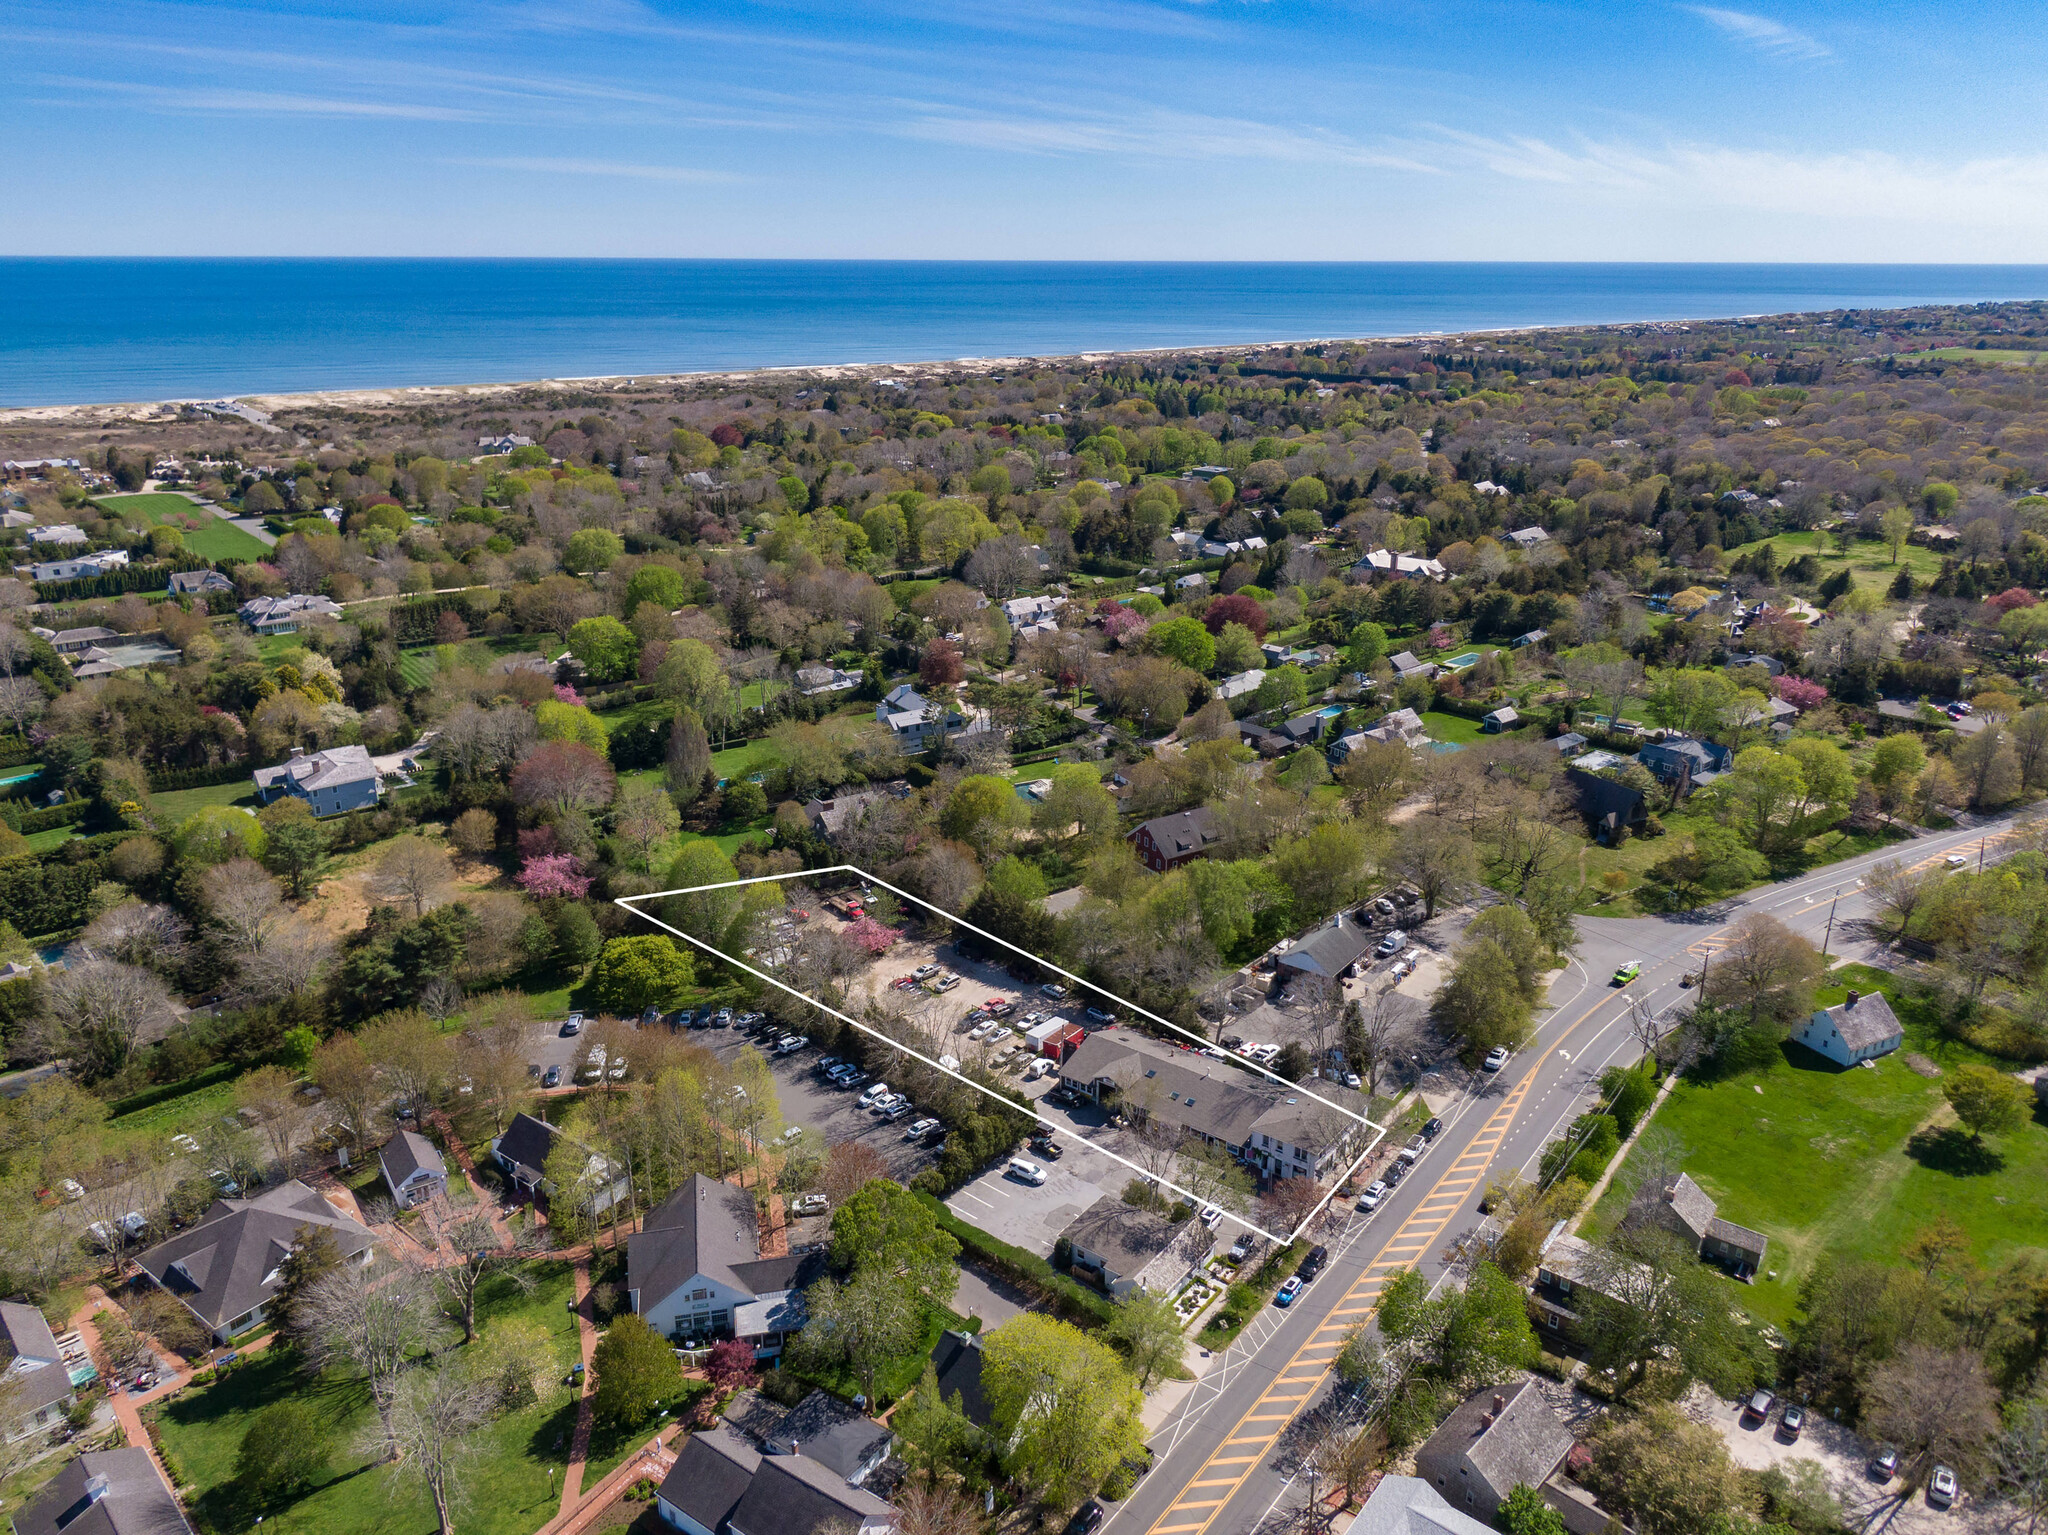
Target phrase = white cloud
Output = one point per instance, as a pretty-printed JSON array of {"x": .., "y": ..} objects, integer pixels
[
  {"x": 1760, "y": 32},
  {"x": 1152, "y": 134},
  {"x": 229, "y": 101},
  {"x": 563, "y": 167}
]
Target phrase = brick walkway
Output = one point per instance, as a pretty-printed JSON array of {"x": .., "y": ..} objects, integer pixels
[{"x": 579, "y": 1443}]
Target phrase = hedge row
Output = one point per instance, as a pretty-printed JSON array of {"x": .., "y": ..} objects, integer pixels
[
  {"x": 28, "y": 823},
  {"x": 117, "y": 582},
  {"x": 199, "y": 777},
  {"x": 39, "y": 897},
  {"x": 149, "y": 1097},
  {"x": 1070, "y": 1299}
]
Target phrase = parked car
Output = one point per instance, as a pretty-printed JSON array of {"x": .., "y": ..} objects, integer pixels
[
  {"x": 946, "y": 982},
  {"x": 878, "y": 1090},
  {"x": 1792, "y": 1419},
  {"x": 886, "y": 1102},
  {"x": 1884, "y": 1465},
  {"x": 1025, "y": 1171},
  {"x": 1210, "y": 1215},
  {"x": 573, "y": 1024},
  {"x": 1375, "y": 1192},
  {"x": 224, "y": 1183},
  {"x": 1054, "y": 990},
  {"x": 897, "y": 1109},
  {"x": 71, "y": 1189},
  {"x": 649, "y": 1017},
  {"x": 793, "y": 1133},
  {"x": 1497, "y": 1057},
  {"x": 1759, "y": 1405},
  {"x": 1383, "y": 906},
  {"x": 810, "y": 1204},
  {"x": 924, "y": 972},
  {"x": 1433, "y": 1129},
  {"x": 1288, "y": 1291},
  {"x": 1956, "y": 861},
  {"x": 552, "y": 1077},
  {"x": 1942, "y": 1488},
  {"x": 1241, "y": 1249},
  {"x": 789, "y": 1044},
  {"x": 1037, "y": 1069},
  {"x": 1100, "y": 1015},
  {"x": 919, "y": 1129},
  {"x": 1312, "y": 1265},
  {"x": 1085, "y": 1521}
]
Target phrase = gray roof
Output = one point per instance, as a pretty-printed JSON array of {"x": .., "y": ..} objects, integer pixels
[
  {"x": 1125, "y": 1237},
  {"x": 957, "y": 1363},
  {"x": 706, "y": 1228},
  {"x": 321, "y": 770},
  {"x": 1184, "y": 833},
  {"x": 408, "y": 1152},
  {"x": 92, "y": 633},
  {"x": 1328, "y": 950},
  {"x": 227, "y": 1264},
  {"x": 35, "y": 1362},
  {"x": 713, "y": 1471},
  {"x": 1693, "y": 1205},
  {"x": 527, "y": 1141},
  {"x": 200, "y": 581},
  {"x": 835, "y": 1434},
  {"x": 133, "y": 1499},
  {"x": 1198, "y": 1092},
  {"x": 1738, "y": 1236},
  {"x": 1508, "y": 1433},
  {"x": 259, "y": 610},
  {"x": 1870, "y": 1021},
  {"x": 1407, "y": 1505},
  {"x": 795, "y": 1495}
]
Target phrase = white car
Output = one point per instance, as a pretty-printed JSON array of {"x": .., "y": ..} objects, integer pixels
[
  {"x": 618, "y": 1071},
  {"x": 1956, "y": 861},
  {"x": 1211, "y": 1214},
  {"x": 134, "y": 1224},
  {"x": 1054, "y": 990},
  {"x": 919, "y": 1128},
  {"x": 924, "y": 972},
  {"x": 1391, "y": 944},
  {"x": 573, "y": 1024},
  {"x": 1497, "y": 1057},
  {"x": 793, "y": 1133},
  {"x": 71, "y": 1188},
  {"x": 791, "y": 1045},
  {"x": 810, "y": 1204},
  {"x": 875, "y": 1091},
  {"x": 1266, "y": 1055},
  {"x": 185, "y": 1144},
  {"x": 1025, "y": 1171},
  {"x": 886, "y": 1102},
  {"x": 1370, "y": 1199}
]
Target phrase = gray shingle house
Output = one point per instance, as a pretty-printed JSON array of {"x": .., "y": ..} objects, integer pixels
[
  {"x": 104, "y": 1492},
  {"x": 695, "y": 1269},
  {"x": 413, "y": 1169},
  {"x": 284, "y": 615},
  {"x": 1330, "y": 951},
  {"x": 1128, "y": 1249},
  {"x": 1494, "y": 1439},
  {"x": 187, "y": 583},
  {"x": 522, "y": 1153},
  {"x": 721, "y": 1485},
  {"x": 35, "y": 1367},
  {"x": 1860, "y": 1029},
  {"x": 333, "y": 782}
]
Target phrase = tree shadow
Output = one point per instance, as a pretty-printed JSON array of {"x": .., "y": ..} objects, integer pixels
[
  {"x": 1950, "y": 1150},
  {"x": 550, "y": 1441}
]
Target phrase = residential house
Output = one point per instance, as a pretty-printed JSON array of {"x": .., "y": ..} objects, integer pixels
[
  {"x": 695, "y": 1270},
  {"x": 284, "y": 615},
  {"x": 828, "y": 815},
  {"x": 14, "y": 517},
  {"x": 333, "y": 782},
  {"x": 1770, "y": 664},
  {"x": 1689, "y": 1211},
  {"x": 1503, "y": 718},
  {"x": 1168, "y": 841},
  {"x": 1609, "y": 808},
  {"x": 75, "y": 641},
  {"x": 412, "y": 1168},
  {"x": 917, "y": 724},
  {"x": 83, "y": 566},
  {"x": 811, "y": 681},
  {"x": 835, "y": 1434},
  {"x": 522, "y": 1153},
  {"x": 1570, "y": 744},
  {"x": 1406, "y": 666},
  {"x": 1499, "y": 1437},
  {"x": 226, "y": 1269},
  {"x": 1241, "y": 686},
  {"x": 1206, "y": 472},
  {"x": 1528, "y": 538},
  {"x": 1860, "y": 1029},
  {"x": 36, "y": 1369},
  {"x": 1278, "y": 1131},
  {"x": 1533, "y": 637},
  {"x": 721, "y": 1485},
  {"x": 957, "y": 1364},
  {"x": 58, "y": 533},
  {"x": 1399, "y": 727},
  {"x": 503, "y": 443},
  {"x": 1599, "y": 761},
  {"x": 192, "y": 583},
  {"x": 104, "y": 1492},
  {"x": 1191, "y": 583},
  {"x": 1331, "y": 952},
  {"x": 1407, "y": 1505},
  {"x": 1123, "y": 1248},
  {"x": 1400, "y": 567},
  {"x": 1039, "y": 614},
  {"x": 1684, "y": 762}
]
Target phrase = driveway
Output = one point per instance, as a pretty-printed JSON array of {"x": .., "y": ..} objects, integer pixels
[{"x": 1031, "y": 1218}]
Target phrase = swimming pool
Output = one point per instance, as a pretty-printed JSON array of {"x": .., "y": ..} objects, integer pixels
[{"x": 1459, "y": 663}]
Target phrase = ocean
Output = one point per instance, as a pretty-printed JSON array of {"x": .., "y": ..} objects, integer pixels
[{"x": 91, "y": 330}]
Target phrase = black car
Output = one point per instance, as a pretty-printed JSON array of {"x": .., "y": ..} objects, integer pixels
[
  {"x": 1084, "y": 1522},
  {"x": 1433, "y": 1129},
  {"x": 1312, "y": 1265},
  {"x": 552, "y": 1078}
]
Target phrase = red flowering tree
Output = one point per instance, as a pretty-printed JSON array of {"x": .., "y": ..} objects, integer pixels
[
  {"x": 1235, "y": 609},
  {"x": 1800, "y": 693},
  {"x": 537, "y": 842},
  {"x": 554, "y": 874},
  {"x": 731, "y": 1366},
  {"x": 870, "y": 934},
  {"x": 727, "y": 435},
  {"x": 2006, "y": 601},
  {"x": 941, "y": 666},
  {"x": 562, "y": 776}
]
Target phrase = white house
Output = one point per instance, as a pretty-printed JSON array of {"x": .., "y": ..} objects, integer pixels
[
  {"x": 523, "y": 1151},
  {"x": 333, "y": 782},
  {"x": 413, "y": 1169},
  {"x": 85, "y": 565},
  {"x": 1529, "y": 538},
  {"x": 1240, "y": 685},
  {"x": 1860, "y": 1029},
  {"x": 1404, "y": 567},
  {"x": 695, "y": 1269},
  {"x": 58, "y": 533}
]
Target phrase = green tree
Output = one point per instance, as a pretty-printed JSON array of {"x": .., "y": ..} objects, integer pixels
[
  {"x": 860, "y": 1327},
  {"x": 692, "y": 675},
  {"x": 656, "y": 584},
  {"x": 634, "y": 974},
  {"x": 1146, "y": 1327},
  {"x": 298, "y": 845},
  {"x": 1368, "y": 645},
  {"x": 1017, "y": 879},
  {"x": 592, "y": 549},
  {"x": 1237, "y": 650},
  {"x": 983, "y": 811},
  {"x": 1713, "y": 862},
  {"x": 1284, "y": 688},
  {"x": 607, "y": 648},
  {"x": 937, "y": 1436},
  {"x": 1184, "y": 640},
  {"x": 576, "y": 938},
  {"x": 1306, "y": 494},
  {"x": 1986, "y": 1099},
  {"x": 1897, "y": 526},
  {"x": 1895, "y": 764},
  {"x": 1665, "y": 1473},
  {"x": 636, "y": 1372},
  {"x": 745, "y": 803},
  {"x": 559, "y": 721},
  {"x": 1480, "y": 1001},
  {"x": 886, "y": 1231},
  {"x": 283, "y": 1449},
  {"x": 1525, "y": 1512},
  {"x": 1062, "y": 1403}
]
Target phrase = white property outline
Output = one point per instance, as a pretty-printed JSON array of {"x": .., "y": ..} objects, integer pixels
[{"x": 1196, "y": 1200}]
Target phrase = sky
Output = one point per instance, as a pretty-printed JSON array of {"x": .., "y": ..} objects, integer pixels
[{"x": 1815, "y": 130}]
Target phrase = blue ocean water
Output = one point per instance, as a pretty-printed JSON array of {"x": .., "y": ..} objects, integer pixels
[{"x": 90, "y": 330}]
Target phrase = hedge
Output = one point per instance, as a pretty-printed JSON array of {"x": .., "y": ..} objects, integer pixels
[
  {"x": 33, "y": 821},
  {"x": 199, "y": 777},
  {"x": 1070, "y": 1299},
  {"x": 39, "y": 897},
  {"x": 149, "y": 1097},
  {"x": 118, "y": 581}
]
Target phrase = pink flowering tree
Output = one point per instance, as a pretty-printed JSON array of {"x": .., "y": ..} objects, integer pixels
[
  {"x": 554, "y": 874},
  {"x": 870, "y": 934},
  {"x": 1800, "y": 693},
  {"x": 568, "y": 695},
  {"x": 2006, "y": 601},
  {"x": 1122, "y": 622}
]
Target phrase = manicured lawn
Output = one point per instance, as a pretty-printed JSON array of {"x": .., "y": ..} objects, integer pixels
[
  {"x": 222, "y": 540},
  {"x": 419, "y": 663},
  {"x": 175, "y": 805},
  {"x": 1454, "y": 728},
  {"x": 56, "y": 836},
  {"x": 1826, "y": 1161},
  {"x": 182, "y": 1115},
  {"x": 1972, "y": 354},
  {"x": 1870, "y": 564},
  {"x": 154, "y": 506},
  {"x": 897, "y": 1377},
  {"x": 508, "y": 1486}
]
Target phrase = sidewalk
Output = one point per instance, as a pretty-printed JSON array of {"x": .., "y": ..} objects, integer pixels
[{"x": 579, "y": 1442}]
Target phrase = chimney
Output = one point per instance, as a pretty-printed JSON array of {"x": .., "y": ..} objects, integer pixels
[
  {"x": 1853, "y": 997},
  {"x": 297, "y": 751}
]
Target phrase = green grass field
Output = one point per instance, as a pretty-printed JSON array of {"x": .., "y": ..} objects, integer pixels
[
  {"x": 1870, "y": 564},
  {"x": 182, "y": 1114},
  {"x": 56, "y": 836},
  {"x": 153, "y": 507},
  {"x": 176, "y": 804},
  {"x": 1454, "y": 728},
  {"x": 221, "y": 540},
  {"x": 214, "y": 539},
  {"x": 1851, "y": 1163},
  {"x": 509, "y": 1489},
  {"x": 1972, "y": 354}
]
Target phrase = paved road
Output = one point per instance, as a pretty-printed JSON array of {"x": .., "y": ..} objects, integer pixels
[{"x": 1222, "y": 1464}]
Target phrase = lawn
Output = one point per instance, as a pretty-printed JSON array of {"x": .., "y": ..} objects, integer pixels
[
  {"x": 175, "y": 805},
  {"x": 1974, "y": 354},
  {"x": 182, "y": 1115},
  {"x": 215, "y": 538},
  {"x": 56, "y": 836},
  {"x": 1636, "y": 855},
  {"x": 1870, "y": 563},
  {"x": 221, "y": 540},
  {"x": 509, "y": 1490},
  {"x": 156, "y": 506},
  {"x": 1454, "y": 728},
  {"x": 417, "y": 664},
  {"x": 1865, "y": 1181}
]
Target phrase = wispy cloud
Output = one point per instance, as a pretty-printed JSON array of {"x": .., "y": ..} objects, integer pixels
[
  {"x": 1145, "y": 133},
  {"x": 1762, "y": 33},
  {"x": 235, "y": 102},
  {"x": 546, "y": 166}
]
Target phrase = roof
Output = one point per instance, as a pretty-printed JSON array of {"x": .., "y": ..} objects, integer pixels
[
  {"x": 1693, "y": 1205},
  {"x": 712, "y": 1472},
  {"x": 1328, "y": 950},
  {"x": 957, "y": 1363},
  {"x": 1603, "y": 801},
  {"x": 528, "y": 1142},
  {"x": 1508, "y": 1433},
  {"x": 835, "y": 1434},
  {"x": 795, "y": 1495},
  {"x": 1738, "y": 1236},
  {"x": 705, "y": 1228},
  {"x": 1197, "y": 1092},
  {"x": 320, "y": 770},
  {"x": 1407, "y": 1505},
  {"x": 1867, "y": 1021},
  {"x": 1570, "y": 741},
  {"x": 1404, "y": 661},
  {"x": 1242, "y": 683},
  {"x": 1183, "y": 834},
  {"x": 227, "y": 1264},
  {"x": 266, "y": 609},
  {"x": 200, "y": 581},
  {"x": 35, "y": 1362},
  {"x": 132, "y": 1499},
  {"x": 1125, "y": 1237},
  {"x": 1505, "y": 714},
  {"x": 91, "y": 634},
  {"x": 409, "y": 1152}
]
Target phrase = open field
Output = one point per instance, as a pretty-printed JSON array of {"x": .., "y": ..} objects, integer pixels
[
  {"x": 1873, "y": 1155},
  {"x": 224, "y": 541},
  {"x": 1998, "y": 354},
  {"x": 214, "y": 538},
  {"x": 156, "y": 506},
  {"x": 1454, "y": 728},
  {"x": 175, "y": 805},
  {"x": 509, "y": 1488},
  {"x": 1870, "y": 564}
]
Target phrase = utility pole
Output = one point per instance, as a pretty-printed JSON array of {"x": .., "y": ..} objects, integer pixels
[
  {"x": 1980, "y": 853},
  {"x": 1831, "y": 924}
]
